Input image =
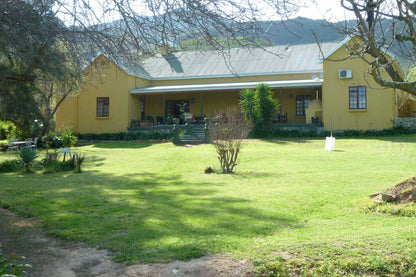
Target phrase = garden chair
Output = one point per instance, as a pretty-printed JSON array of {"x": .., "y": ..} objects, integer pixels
[
  {"x": 159, "y": 119},
  {"x": 28, "y": 142},
  {"x": 12, "y": 146},
  {"x": 35, "y": 143},
  {"x": 150, "y": 119}
]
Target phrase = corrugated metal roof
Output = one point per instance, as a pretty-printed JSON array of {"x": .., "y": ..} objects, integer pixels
[{"x": 242, "y": 61}]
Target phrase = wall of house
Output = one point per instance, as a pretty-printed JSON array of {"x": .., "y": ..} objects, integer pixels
[
  {"x": 101, "y": 79},
  {"x": 66, "y": 115},
  {"x": 380, "y": 101}
]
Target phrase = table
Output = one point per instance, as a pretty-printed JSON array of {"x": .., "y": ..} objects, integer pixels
[{"x": 19, "y": 143}]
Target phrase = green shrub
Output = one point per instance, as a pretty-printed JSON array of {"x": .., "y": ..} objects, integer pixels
[
  {"x": 27, "y": 156},
  {"x": 52, "y": 140},
  {"x": 59, "y": 166},
  {"x": 125, "y": 136},
  {"x": 68, "y": 138},
  {"x": 10, "y": 166},
  {"x": 16, "y": 133},
  {"x": 274, "y": 133},
  {"x": 41, "y": 143},
  {"x": 55, "y": 143},
  {"x": 6, "y": 128},
  {"x": 9, "y": 268},
  {"x": 51, "y": 163},
  {"x": 258, "y": 107}
]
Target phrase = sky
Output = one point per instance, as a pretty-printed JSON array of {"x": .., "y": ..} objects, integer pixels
[{"x": 331, "y": 10}]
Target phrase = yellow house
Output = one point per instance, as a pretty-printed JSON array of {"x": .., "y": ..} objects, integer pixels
[{"x": 314, "y": 85}]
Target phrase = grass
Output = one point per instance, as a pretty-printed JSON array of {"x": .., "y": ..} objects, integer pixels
[{"x": 290, "y": 208}]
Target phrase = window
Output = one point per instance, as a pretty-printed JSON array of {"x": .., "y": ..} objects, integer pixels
[
  {"x": 358, "y": 98},
  {"x": 103, "y": 106},
  {"x": 302, "y": 102}
]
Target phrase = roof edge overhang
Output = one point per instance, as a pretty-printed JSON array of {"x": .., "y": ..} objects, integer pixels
[
  {"x": 227, "y": 86},
  {"x": 234, "y": 75},
  {"x": 345, "y": 41}
]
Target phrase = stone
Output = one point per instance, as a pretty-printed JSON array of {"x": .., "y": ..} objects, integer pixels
[
  {"x": 374, "y": 195},
  {"x": 209, "y": 170},
  {"x": 387, "y": 197}
]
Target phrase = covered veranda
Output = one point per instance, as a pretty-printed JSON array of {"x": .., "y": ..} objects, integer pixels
[{"x": 158, "y": 104}]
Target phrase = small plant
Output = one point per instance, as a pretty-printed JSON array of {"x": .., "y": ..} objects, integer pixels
[
  {"x": 227, "y": 132},
  {"x": 53, "y": 141},
  {"x": 78, "y": 159},
  {"x": 183, "y": 109},
  {"x": 9, "y": 166},
  {"x": 56, "y": 142},
  {"x": 68, "y": 138},
  {"x": 27, "y": 156},
  {"x": 169, "y": 119},
  {"x": 8, "y": 268}
]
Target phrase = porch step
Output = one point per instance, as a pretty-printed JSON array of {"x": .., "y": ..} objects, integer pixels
[{"x": 194, "y": 135}]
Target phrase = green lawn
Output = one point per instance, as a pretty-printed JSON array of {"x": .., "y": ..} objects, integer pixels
[{"x": 290, "y": 206}]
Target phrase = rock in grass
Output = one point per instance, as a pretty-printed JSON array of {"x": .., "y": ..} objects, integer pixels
[
  {"x": 374, "y": 195},
  {"x": 387, "y": 197},
  {"x": 209, "y": 170}
]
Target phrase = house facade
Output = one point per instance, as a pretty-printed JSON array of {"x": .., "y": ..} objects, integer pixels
[{"x": 313, "y": 83}]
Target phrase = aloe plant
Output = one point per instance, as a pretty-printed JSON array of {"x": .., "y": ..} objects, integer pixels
[
  {"x": 78, "y": 159},
  {"x": 27, "y": 156}
]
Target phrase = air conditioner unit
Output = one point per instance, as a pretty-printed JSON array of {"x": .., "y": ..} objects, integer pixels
[{"x": 345, "y": 73}]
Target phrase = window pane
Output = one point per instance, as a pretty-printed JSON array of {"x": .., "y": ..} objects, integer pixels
[
  {"x": 103, "y": 106},
  {"x": 358, "y": 97},
  {"x": 302, "y": 102}
]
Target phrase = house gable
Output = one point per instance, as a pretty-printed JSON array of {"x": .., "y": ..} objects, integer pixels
[
  {"x": 101, "y": 79},
  {"x": 379, "y": 108}
]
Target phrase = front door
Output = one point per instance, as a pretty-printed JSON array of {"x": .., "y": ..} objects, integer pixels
[{"x": 176, "y": 107}]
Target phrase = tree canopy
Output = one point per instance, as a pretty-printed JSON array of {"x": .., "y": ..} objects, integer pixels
[
  {"x": 44, "y": 44},
  {"x": 386, "y": 28}
]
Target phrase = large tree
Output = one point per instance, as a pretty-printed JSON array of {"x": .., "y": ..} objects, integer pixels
[
  {"x": 386, "y": 28},
  {"x": 33, "y": 51},
  {"x": 40, "y": 38}
]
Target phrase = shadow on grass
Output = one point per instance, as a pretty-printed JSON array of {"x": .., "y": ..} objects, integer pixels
[
  {"x": 407, "y": 138},
  {"x": 252, "y": 174},
  {"x": 124, "y": 144},
  {"x": 395, "y": 139},
  {"x": 284, "y": 141},
  {"x": 144, "y": 217}
]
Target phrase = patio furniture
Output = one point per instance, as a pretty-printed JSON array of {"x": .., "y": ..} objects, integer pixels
[
  {"x": 12, "y": 145},
  {"x": 150, "y": 119},
  {"x": 32, "y": 143},
  {"x": 66, "y": 151},
  {"x": 35, "y": 143},
  {"x": 28, "y": 142},
  {"x": 159, "y": 119}
]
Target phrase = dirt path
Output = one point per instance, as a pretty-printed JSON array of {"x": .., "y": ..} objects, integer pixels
[{"x": 24, "y": 237}]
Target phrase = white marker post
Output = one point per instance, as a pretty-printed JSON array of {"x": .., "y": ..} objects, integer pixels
[{"x": 330, "y": 141}]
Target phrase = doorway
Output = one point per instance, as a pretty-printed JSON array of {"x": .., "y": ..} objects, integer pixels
[{"x": 173, "y": 107}]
